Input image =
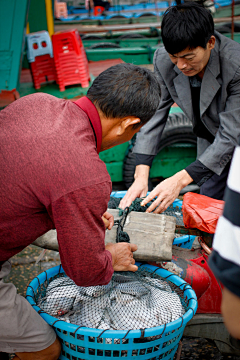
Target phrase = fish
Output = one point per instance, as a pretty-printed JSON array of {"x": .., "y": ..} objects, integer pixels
[
  {"x": 126, "y": 305},
  {"x": 134, "y": 288}
]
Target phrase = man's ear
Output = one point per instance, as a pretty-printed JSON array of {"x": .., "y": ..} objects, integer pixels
[
  {"x": 211, "y": 42},
  {"x": 126, "y": 122}
]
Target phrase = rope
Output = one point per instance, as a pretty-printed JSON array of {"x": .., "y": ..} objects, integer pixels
[
  {"x": 59, "y": 268},
  {"x": 126, "y": 334},
  {"x": 101, "y": 333},
  {"x": 56, "y": 321},
  {"x": 142, "y": 333},
  {"x": 32, "y": 291},
  {"x": 121, "y": 235},
  {"x": 165, "y": 325},
  {"x": 190, "y": 299},
  {"x": 78, "y": 329}
]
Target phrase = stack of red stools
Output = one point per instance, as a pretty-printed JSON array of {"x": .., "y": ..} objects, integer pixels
[
  {"x": 70, "y": 59},
  {"x": 40, "y": 57}
]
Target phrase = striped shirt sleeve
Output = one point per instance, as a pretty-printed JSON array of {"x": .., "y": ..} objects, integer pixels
[{"x": 225, "y": 259}]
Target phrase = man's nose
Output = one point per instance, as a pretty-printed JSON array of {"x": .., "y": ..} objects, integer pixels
[{"x": 181, "y": 63}]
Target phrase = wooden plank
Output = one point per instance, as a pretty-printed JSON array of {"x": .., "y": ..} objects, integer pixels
[{"x": 152, "y": 233}]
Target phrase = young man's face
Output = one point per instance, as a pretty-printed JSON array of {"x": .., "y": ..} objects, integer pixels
[{"x": 193, "y": 61}]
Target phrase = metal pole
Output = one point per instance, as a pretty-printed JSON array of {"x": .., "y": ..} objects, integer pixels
[
  {"x": 232, "y": 28},
  {"x": 156, "y": 7}
]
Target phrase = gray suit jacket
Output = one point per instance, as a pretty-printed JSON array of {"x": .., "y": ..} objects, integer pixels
[{"x": 219, "y": 103}]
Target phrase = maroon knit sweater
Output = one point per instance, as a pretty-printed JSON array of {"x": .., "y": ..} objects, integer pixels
[{"x": 52, "y": 177}]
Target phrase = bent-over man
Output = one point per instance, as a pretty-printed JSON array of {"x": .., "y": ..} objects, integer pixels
[{"x": 52, "y": 177}]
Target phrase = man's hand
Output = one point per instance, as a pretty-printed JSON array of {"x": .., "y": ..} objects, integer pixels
[
  {"x": 139, "y": 188},
  {"x": 108, "y": 220},
  {"x": 122, "y": 256},
  {"x": 167, "y": 191}
]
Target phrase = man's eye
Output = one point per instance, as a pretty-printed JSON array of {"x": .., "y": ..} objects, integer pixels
[{"x": 189, "y": 59}]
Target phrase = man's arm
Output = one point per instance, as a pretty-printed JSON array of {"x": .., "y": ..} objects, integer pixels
[
  {"x": 167, "y": 191},
  {"x": 219, "y": 153},
  {"x": 81, "y": 232},
  {"x": 198, "y": 172},
  {"x": 149, "y": 136},
  {"x": 231, "y": 312},
  {"x": 147, "y": 142}
]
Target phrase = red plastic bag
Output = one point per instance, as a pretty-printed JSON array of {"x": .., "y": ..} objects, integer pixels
[{"x": 201, "y": 212}]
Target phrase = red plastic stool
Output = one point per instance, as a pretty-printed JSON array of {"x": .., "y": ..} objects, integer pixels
[
  {"x": 70, "y": 59},
  {"x": 98, "y": 10},
  {"x": 42, "y": 70},
  {"x": 40, "y": 57}
]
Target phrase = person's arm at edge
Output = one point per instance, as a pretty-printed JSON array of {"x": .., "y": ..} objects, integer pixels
[
  {"x": 226, "y": 138},
  {"x": 231, "y": 313},
  {"x": 195, "y": 171},
  {"x": 139, "y": 187}
]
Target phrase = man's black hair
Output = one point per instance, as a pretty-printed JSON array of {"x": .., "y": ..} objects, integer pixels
[
  {"x": 126, "y": 90},
  {"x": 186, "y": 25}
]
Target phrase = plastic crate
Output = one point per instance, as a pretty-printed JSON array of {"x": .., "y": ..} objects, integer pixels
[
  {"x": 81, "y": 343},
  {"x": 70, "y": 59}
]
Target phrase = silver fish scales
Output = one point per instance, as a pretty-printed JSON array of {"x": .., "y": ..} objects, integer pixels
[{"x": 126, "y": 303}]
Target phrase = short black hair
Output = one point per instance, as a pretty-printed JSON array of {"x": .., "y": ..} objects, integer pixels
[
  {"x": 126, "y": 90},
  {"x": 186, "y": 25}
]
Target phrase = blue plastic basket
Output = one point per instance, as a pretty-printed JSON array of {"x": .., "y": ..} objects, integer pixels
[{"x": 80, "y": 343}]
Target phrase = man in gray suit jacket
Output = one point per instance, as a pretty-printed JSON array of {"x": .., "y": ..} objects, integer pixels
[{"x": 199, "y": 69}]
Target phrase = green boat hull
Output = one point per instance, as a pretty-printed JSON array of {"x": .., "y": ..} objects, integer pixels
[
  {"x": 136, "y": 55},
  {"x": 170, "y": 160},
  {"x": 124, "y": 43}
]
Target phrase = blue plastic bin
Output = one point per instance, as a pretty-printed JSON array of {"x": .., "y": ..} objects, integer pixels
[{"x": 80, "y": 343}]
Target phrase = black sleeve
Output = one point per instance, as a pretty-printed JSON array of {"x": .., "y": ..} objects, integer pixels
[
  {"x": 142, "y": 159},
  {"x": 198, "y": 172}
]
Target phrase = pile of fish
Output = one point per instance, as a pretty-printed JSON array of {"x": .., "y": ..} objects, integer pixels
[{"x": 127, "y": 302}]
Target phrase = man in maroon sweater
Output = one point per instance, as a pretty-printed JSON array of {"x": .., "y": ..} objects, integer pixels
[{"x": 52, "y": 177}]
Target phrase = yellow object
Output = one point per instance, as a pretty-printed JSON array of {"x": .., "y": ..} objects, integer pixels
[
  {"x": 27, "y": 29},
  {"x": 49, "y": 13}
]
